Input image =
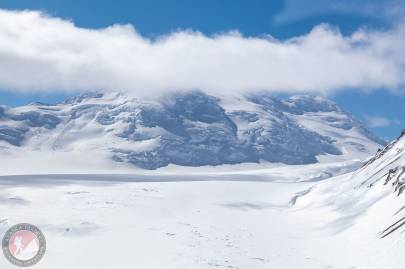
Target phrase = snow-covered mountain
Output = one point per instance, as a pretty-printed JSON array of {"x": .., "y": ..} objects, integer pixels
[{"x": 189, "y": 129}]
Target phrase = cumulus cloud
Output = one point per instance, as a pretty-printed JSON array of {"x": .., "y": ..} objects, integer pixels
[
  {"x": 378, "y": 121},
  {"x": 42, "y": 53}
]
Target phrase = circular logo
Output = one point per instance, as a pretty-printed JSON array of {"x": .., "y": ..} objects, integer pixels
[{"x": 24, "y": 245}]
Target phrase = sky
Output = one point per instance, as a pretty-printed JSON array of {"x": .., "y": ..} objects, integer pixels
[{"x": 350, "y": 51}]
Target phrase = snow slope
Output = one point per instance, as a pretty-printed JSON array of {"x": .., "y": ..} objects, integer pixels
[{"x": 366, "y": 206}]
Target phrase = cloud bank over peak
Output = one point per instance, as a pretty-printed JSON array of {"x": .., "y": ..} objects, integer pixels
[{"x": 43, "y": 53}]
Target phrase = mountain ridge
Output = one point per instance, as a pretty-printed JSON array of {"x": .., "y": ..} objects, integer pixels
[{"x": 190, "y": 129}]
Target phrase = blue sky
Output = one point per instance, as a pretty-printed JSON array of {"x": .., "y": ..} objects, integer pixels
[{"x": 382, "y": 109}]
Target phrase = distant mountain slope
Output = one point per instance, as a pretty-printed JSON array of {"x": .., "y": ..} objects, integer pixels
[{"x": 190, "y": 129}]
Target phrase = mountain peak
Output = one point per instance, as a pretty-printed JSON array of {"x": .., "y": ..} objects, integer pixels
[
  {"x": 300, "y": 104},
  {"x": 84, "y": 96}
]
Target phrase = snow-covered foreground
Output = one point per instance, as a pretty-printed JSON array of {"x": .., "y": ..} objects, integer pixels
[{"x": 227, "y": 223}]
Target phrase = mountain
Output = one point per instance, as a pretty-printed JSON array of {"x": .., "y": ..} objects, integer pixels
[{"x": 189, "y": 129}]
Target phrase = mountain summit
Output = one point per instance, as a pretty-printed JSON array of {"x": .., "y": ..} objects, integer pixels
[{"x": 189, "y": 129}]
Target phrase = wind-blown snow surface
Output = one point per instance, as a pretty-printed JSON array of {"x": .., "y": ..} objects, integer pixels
[
  {"x": 112, "y": 224},
  {"x": 187, "y": 129}
]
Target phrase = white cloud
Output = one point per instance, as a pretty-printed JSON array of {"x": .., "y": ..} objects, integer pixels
[
  {"x": 42, "y": 53},
  {"x": 378, "y": 121}
]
